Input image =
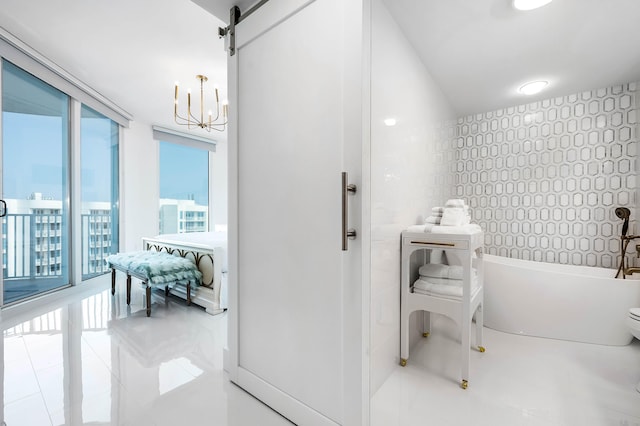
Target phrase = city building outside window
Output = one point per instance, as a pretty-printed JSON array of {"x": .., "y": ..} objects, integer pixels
[{"x": 184, "y": 189}]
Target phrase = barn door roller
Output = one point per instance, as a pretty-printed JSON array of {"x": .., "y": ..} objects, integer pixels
[{"x": 235, "y": 17}]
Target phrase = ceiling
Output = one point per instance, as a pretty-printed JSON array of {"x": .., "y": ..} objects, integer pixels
[
  {"x": 131, "y": 52},
  {"x": 221, "y": 8},
  {"x": 478, "y": 51},
  {"x": 481, "y": 51}
]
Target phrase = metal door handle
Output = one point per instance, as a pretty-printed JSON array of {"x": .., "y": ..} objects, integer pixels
[
  {"x": 346, "y": 232},
  {"x": 4, "y": 208}
]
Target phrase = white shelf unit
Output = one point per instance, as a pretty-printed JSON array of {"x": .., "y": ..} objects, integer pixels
[{"x": 463, "y": 247}]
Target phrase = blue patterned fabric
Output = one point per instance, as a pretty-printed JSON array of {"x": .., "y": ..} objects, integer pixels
[{"x": 160, "y": 269}]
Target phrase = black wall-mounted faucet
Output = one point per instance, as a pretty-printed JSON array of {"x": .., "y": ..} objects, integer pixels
[{"x": 624, "y": 213}]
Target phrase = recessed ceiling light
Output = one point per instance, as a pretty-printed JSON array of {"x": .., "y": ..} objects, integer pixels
[
  {"x": 529, "y": 4},
  {"x": 390, "y": 122},
  {"x": 533, "y": 87}
]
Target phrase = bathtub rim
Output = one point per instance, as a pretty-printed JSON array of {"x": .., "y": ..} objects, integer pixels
[{"x": 560, "y": 268}]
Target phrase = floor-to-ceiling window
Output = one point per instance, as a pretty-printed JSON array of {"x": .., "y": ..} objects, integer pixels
[
  {"x": 99, "y": 194},
  {"x": 59, "y": 179},
  {"x": 184, "y": 188},
  {"x": 35, "y": 185}
]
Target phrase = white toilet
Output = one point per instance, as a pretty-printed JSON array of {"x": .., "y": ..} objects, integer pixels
[{"x": 634, "y": 325}]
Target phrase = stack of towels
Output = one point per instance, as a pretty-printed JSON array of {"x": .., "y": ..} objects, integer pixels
[
  {"x": 443, "y": 281},
  {"x": 453, "y": 218},
  {"x": 455, "y": 213}
]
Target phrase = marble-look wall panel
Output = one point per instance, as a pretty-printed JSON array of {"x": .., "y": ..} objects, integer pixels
[{"x": 543, "y": 179}]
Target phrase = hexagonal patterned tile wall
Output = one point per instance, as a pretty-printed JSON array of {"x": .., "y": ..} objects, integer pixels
[{"x": 543, "y": 179}]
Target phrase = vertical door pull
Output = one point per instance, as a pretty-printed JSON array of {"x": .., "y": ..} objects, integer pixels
[
  {"x": 346, "y": 232},
  {"x": 3, "y": 212}
]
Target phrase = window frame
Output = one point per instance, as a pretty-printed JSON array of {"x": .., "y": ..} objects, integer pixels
[{"x": 22, "y": 56}]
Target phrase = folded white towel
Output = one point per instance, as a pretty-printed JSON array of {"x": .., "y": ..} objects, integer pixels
[
  {"x": 455, "y": 202},
  {"x": 423, "y": 286},
  {"x": 442, "y": 281},
  {"x": 433, "y": 219},
  {"x": 425, "y": 283},
  {"x": 454, "y": 216},
  {"x": 436, "y": 210},
  {"x": 440, "y": 295},
  {"x": 435, "y": 270},
  {"x": 471, "y": 228},
  {"x": 429, "y": 226},
  {"x": 416, "y": 228}
]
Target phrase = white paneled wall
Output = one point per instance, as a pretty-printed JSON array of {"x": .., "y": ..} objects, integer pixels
[{"x": 408, "y": 173}]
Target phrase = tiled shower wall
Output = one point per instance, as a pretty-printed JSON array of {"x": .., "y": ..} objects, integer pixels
[{"x": 543, "y": 179}]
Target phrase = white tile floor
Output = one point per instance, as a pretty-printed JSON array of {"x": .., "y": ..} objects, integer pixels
[
  {"x": 92, "y": 360},
  {"x": 519, "y": 380}
]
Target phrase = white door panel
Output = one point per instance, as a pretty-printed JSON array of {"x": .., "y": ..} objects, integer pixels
[{"x": 287, "y": 90}]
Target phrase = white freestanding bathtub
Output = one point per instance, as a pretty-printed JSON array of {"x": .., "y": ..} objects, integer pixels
[{"x": 577, "y": 303}]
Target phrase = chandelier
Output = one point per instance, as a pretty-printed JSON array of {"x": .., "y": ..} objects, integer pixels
[{"x": 211, "y": 122}]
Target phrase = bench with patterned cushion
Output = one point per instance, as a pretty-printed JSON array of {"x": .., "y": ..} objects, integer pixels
[{"x": 154, "y": 269}]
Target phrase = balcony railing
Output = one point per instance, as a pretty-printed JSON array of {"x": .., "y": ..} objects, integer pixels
[
  {"x": 32, "y": 251},
  {"x": 93, "y": 237}
]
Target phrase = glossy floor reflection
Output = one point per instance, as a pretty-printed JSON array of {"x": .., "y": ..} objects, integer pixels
[
  {"x": 96, "y": 361},
  {"x": 92, "y": 360},
  {"x": 519, "y": 380}
]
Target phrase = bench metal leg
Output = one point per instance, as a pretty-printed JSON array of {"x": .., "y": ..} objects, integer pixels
[
  {"x": 188, "y": 293},
  {"x": 113, "y": 281},
  {"x": 148, "y": 301},
  {"x": 166, "y": 290},
  {"x": 128, "y": 289}
]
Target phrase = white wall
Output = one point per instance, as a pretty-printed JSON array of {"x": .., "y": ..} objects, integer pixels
[
  {"x": 407, "y": 177},
  {"x": 140, "y": 194}
]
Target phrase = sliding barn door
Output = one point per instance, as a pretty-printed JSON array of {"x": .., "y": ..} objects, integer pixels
[{"x": 296, "y": 332}]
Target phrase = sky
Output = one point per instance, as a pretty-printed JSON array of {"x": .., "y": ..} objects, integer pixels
[
  {"x": 35, "y": 157},
  {"x": 31, "y": 156},
  {"x": 32, "y": 161},
  {"x": 184, "y": 173}
]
